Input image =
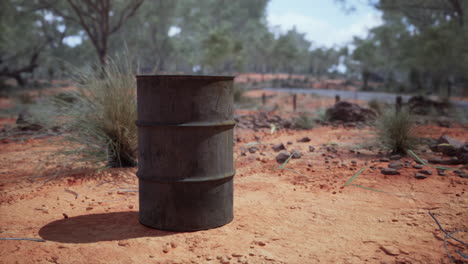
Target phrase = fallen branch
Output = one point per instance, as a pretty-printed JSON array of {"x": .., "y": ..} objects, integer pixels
[
  {"x": 348, "y": 182},
  {"x": 430, "y": 165},
  {"x": 72, "y": 192},
  {"x": 449, "y": 235}
]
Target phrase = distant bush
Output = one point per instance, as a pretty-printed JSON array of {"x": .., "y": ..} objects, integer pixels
[
  {"x": 238, "y": 93},
  {"x": 303, "y": 121},
  {"x": 321, "y": 114},
  {"x": 376, "y": 105},
  {"x": 395, "y": 130}
]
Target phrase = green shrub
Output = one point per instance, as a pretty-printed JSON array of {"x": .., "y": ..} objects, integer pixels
[
  {"x": 376, "y": 105},
  {"x": 395, "y": 131},
  {"x": 321, "y": 114},
  {"x": 303, "y": 121},
  {"x": 238, "y": 94}
]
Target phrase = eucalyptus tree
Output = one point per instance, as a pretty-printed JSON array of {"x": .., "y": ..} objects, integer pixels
[
  {"x": 99, "y": 19},
  {"x": 24, "y": 40}
]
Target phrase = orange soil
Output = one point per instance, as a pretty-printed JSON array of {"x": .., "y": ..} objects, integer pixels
[{"x": 281, "y": 216}]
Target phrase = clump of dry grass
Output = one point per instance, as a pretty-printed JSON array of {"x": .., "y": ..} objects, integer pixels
[
  {"x": 100, "y": 120},
  {"x": 395, "y": 131},
  {"x": 303, "y": 121}
]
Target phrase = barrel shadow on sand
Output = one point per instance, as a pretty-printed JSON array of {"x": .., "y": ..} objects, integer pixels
[{"x": 98, "y": 227}]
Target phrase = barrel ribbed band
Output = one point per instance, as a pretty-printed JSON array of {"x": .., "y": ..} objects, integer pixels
[
  {"x": 188, "y": 180},
  {"x": 227, "y": 123}
]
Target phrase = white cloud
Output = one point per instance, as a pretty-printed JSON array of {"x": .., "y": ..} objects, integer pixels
[{"x": 323, "y": 33}]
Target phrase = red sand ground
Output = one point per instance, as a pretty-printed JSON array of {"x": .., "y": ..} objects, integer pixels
[{"x": 281, "y": 216}]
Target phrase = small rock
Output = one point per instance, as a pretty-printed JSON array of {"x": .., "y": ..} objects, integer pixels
[
  {"x": 260, "y": 243},
  {"x": 304, "y": 139},
  {"x": 441, "y": 172},
  {"x": 384, "y": 160},
  {"x": 174, "y": 245},
  {"x": 396, "y": 165},
  {"x": 426, "y": 172},
  {"x": 420, "y": 176},
  {"x": 130, "y": 207},
  {"x": 289, "y": 143},
  {"x": 123, "y": 243},
  {"x": 278, "y": 147},
  {"x": 418, "y": 166},
  {"x": 461, "y": 173},
  {"x": 165, "y": 249},
  {"x": 282, "y": 157},
  {"x": 89, "y": 208},
  {"x": 389, "y": 171},
  {"x": 296, "y": 154},
  {"x": 451, "y": 162},
  {"x": 252, "y": 149},
  {"x": 435, "y": 160},
  {"x": 395, "y": 157},
  {"x": 236, "y": 255},
  {"x": 224, "y": 260},
  {"x": 390, "y": 250},
  {"x": 311, "y": 148},
  {"x": 65, "y": 215},
  {"x": 419, "y": 162}
]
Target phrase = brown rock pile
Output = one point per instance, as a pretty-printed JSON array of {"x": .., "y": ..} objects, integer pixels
[
  {"x": 422, "y": 105},
  {"x": 349, "y": 112}
]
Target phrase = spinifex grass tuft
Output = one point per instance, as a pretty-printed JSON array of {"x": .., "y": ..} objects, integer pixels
[
  {"x": 100, "y": 120},
  {"x": 304, "y": 121},
  {"x": 395, "y": 131}
]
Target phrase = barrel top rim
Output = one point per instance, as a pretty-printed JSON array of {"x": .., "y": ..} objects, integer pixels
[{"x": 181, "y": 76}]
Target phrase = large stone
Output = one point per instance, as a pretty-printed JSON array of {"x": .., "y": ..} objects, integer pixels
[
  {"x": 451, "y": 141},
  {"x": 396, "y": 165},
  {"x": 296, "y": 154},
  {"x": 426, "y": 172},
  {"x": 282, "y": 157},
  {"x": 389, "y": 171},
  {"x": 350, "y": 112},
  {"x": 420, "y": 176},
  {"x": 304, "y": 139},
  {"x": 462, "y": 154},
  {"x": 447, "y": 145},
  {"x": 278, "y": 147}
]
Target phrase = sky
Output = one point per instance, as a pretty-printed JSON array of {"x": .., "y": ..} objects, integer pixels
[{"x": 324, "y": 21}]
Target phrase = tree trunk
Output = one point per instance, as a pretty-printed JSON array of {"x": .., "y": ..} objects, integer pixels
[
  {"x": 449, "y": 88},
  {"x": 20, "y": 80},
  {"x": 365, "y": 80}
]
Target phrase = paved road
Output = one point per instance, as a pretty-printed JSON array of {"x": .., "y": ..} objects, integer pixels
[{"x": 365, "y": 96}]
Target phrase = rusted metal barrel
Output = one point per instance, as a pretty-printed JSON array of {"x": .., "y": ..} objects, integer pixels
[{"x": 185, "y": 151}]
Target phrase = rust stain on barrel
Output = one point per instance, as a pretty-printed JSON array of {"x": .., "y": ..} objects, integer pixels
[{"x": 185, "y": 151}]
